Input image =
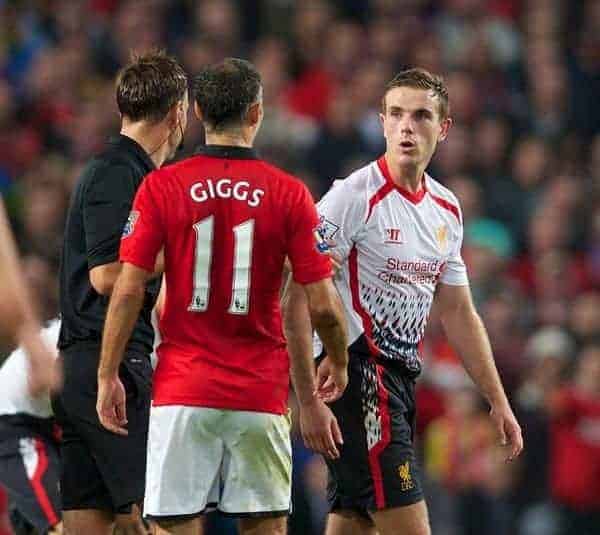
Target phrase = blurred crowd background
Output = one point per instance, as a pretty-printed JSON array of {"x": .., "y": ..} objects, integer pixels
[{"x": 523, "y": 157}]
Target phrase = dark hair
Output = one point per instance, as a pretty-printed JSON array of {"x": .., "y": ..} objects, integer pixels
[
  {"x": 421, "y": 79},
  {"x": 225, "y": 91},
  {"x": 149, "y": 86}
]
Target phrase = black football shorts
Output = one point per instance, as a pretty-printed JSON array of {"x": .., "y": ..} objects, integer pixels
[
  {"x": 30, "y": 468},
  {"x": 377, "y": 468},
  {"x": 100, "y": 469}
]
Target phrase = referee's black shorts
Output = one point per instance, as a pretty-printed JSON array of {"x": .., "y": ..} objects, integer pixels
[
  {"x": 29, "y": 469},
  {"x": 100, "y": 469},
  {"x": 377, "y": 468}
]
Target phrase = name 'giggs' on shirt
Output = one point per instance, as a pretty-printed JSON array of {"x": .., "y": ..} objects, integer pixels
[{"x": 223, "y": 189}]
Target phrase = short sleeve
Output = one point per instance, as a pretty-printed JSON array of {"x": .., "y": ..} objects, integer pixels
[
  {"x": 143, "y": 233},
  {"x": 455, "y": 271},
  {"x": 106, "y": 204},
  {"x": 309, "y": 264},
  {"x": 341, "y": 216}
]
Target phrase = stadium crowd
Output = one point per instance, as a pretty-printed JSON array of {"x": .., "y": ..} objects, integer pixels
[{"x": 523, "y": 157}]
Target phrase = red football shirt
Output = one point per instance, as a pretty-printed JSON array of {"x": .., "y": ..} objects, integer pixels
[
  {"x": 226, "y": 220},
  {"x": 575, "y": 451}
]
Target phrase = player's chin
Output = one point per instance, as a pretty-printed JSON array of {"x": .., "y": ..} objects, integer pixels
[
  {"x": 408, "y": 154},
  {"x": 407, "y": 158}
]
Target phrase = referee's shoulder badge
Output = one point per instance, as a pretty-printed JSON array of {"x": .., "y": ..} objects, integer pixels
[{"x": 130, "y": 224}]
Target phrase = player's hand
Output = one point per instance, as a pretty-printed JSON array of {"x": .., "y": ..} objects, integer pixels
[
  {"x": 331, "y": 380},
  {"x": 110, "y": 404},
  {"x": 45, "y": 370},
  {"x": 320, "y": 429},
  {"x": 508, "y": 429},
  {"x": 336, "y": 260}
]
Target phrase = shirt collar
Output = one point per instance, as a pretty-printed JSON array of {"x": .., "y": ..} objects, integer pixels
[
  {"x": 127, "y": 143},
  {"x": 415, "y": 198},
  {"x": 228, "y": 151}
]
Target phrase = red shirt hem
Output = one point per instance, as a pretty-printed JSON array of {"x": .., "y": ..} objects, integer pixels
[{"x": 272, "y": 408}]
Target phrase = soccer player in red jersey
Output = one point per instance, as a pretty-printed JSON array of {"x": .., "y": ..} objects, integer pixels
[{"x": 219, "y": 425}]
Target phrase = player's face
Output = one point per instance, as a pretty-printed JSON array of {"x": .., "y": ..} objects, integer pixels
[
  {"x": 179, "y": 130},
  {"x": 412, "y": 125}
]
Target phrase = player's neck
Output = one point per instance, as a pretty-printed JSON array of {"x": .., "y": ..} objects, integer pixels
[
  {"x": 152, "y": 138},
  {"x": 229, "y": 139},
  {"x": 408, "y": 177}
]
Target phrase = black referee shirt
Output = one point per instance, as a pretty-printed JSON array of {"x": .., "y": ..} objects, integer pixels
[{"x": 98, "y": 211}]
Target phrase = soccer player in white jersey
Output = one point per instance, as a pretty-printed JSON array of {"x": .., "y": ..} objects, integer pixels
[
  {"x": 29, "y": 458},
  {"x": 18, "y": 320},
  {"x": 398, "y": 234}
]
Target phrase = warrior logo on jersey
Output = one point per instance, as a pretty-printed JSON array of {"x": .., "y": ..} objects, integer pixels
[
  {"x": 130, "y": 224},
  {"x": 393, "y": 235},
  {"x": 441, "y": 235}
]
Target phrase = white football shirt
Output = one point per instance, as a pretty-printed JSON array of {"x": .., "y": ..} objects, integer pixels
[
  {"x": 15, "y": 397},
  {"x": 396, "y": 247}
]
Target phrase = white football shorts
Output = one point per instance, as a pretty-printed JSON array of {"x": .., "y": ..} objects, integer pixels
[{"x": 239, "y": 462}]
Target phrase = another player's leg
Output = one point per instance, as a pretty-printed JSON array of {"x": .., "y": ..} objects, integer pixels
[
  {"x": 410, "y": 520},
  {"x": 185, "y": 454},
  {"x": 88, "y": 521},
  {"x": 130, "y": 523},
  {"x": 178, "y": 526},
  {"x": 85, "y": 499},
  {"x": 346, "y": 522},
  {"x": 103, "y": 474},
  {"x": 257, "y": 471},
  {"x": 29, "y": 471},
  {"x": 377, "y": 477},
  {"x": 263, "y": 526}
]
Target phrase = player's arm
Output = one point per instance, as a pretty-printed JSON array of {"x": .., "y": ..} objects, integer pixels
[
  {"x": 107, "y": 204},
  {"x": 139, "y": 248},
  {"x": 468, "y": 337},
  {"x": 318, "y": 425},
  {"x": 315, "y": 304},
  {"x": 19, "y": 320},
  {"x": 123, "y": 310},
  {"x": 104, "y": 277},
  {"x": 316, "y": 297}
]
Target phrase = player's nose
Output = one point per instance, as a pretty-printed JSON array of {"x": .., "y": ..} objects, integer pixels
[{"x": 406, "y": 125}]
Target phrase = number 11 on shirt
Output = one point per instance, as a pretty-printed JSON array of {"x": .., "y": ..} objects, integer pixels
[{"x": 244, "y": 234}]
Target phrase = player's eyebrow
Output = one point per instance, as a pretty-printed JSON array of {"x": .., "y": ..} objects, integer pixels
[{"x": 418, "y": 110}]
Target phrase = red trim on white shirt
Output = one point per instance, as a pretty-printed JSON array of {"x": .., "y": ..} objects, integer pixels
[
  {"x": 447, "y": 205},
  {"x": 376, "y": 451},
  {"x": 358, "y": 308},
  {"x": 414, "y": 198},
  {"x": 379, "y": 195}
]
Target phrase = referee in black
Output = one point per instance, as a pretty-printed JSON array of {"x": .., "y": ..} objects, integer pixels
[{"x": 102, "y": 480}]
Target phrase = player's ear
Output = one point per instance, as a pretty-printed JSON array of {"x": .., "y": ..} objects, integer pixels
[
  {"x": 445, "y": 126},
  {"x": 254, "y": 113},
  {"x": 197, "y": 111},
  {"x": 173, "y": 115},
  {"x": 382, "y": 122}
]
